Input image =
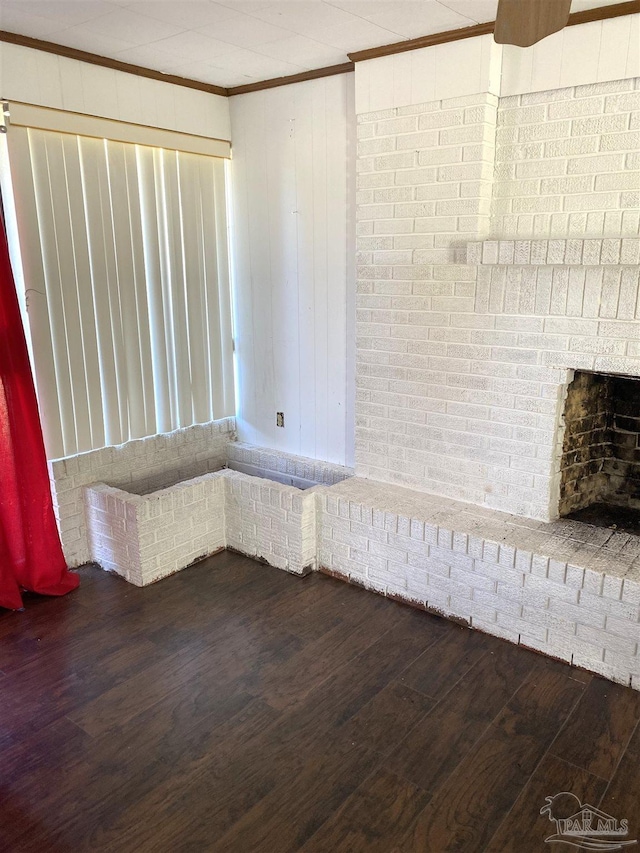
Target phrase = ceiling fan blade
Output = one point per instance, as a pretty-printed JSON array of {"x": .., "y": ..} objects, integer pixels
[{"x": 525, "y": 22}]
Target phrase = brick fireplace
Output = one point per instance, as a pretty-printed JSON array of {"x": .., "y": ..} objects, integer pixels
[
  {"x": 600, "y": 466},
  {"x": 498, "y": 254},
  {"x": 497, "y": 354}
]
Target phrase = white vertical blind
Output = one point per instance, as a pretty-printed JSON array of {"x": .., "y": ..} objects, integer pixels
[{"x": 124, "y": 249}]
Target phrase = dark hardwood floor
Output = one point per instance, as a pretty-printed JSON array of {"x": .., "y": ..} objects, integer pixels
[{"x": 235, "y": 708}]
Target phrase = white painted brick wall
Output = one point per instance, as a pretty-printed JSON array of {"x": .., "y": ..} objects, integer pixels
[
  {"x": 180, "y": 525},
  {"x": 174, "y": 518},
  {"x": 139, "y": 466},
  {"x": 147, "y": 538},
  {"x": 277, "y": 463},
  {"x": 112, "y": 530},
  {"x": 433, "y": 183},
  {"x": 462, "y": 370},
  {"x": 271, "y": 521},
  {"x": 567, "y": 162}
]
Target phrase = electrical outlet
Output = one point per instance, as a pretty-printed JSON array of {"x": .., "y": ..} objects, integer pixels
[{"x": 280, "y": 419}]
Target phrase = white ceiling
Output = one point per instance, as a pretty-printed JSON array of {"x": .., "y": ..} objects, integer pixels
[{"x": 233, "y": 42}]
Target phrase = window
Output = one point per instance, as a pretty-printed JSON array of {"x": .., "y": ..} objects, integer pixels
[{"x": 124, "y": 257}]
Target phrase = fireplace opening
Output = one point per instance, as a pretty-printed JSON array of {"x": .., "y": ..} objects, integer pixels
[{"x": 600, "y": 466}]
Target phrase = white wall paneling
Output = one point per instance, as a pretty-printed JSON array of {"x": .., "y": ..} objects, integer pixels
[
  {"x": 293, "y": 265},
  {"x": 451, "y": 70},
  {"x": 589, "y": 53}
]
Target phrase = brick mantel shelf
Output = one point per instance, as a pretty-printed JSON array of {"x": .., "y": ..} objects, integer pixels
[{"x": 587, "y": 253}]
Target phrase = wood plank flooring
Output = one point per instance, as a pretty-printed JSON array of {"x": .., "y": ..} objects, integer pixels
[{"x": 237, "y": 709}]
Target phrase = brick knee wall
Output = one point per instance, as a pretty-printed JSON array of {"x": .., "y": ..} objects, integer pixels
[{"x": 139, "y": 466}]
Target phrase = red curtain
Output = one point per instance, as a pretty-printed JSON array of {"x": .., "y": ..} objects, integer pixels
[{"x": 31, "y": 555}]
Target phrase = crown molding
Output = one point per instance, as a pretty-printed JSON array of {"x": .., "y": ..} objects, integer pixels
[
  {"x": 422, "y": 41},
  {"x": 107, "y": 62},
  {"x": 329, "y": 71}
]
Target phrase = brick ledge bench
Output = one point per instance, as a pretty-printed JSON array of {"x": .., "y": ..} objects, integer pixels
[{"x": 565, "y": 588}]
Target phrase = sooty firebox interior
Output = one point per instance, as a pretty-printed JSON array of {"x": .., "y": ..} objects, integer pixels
[{"x": 600, "y": 467}]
